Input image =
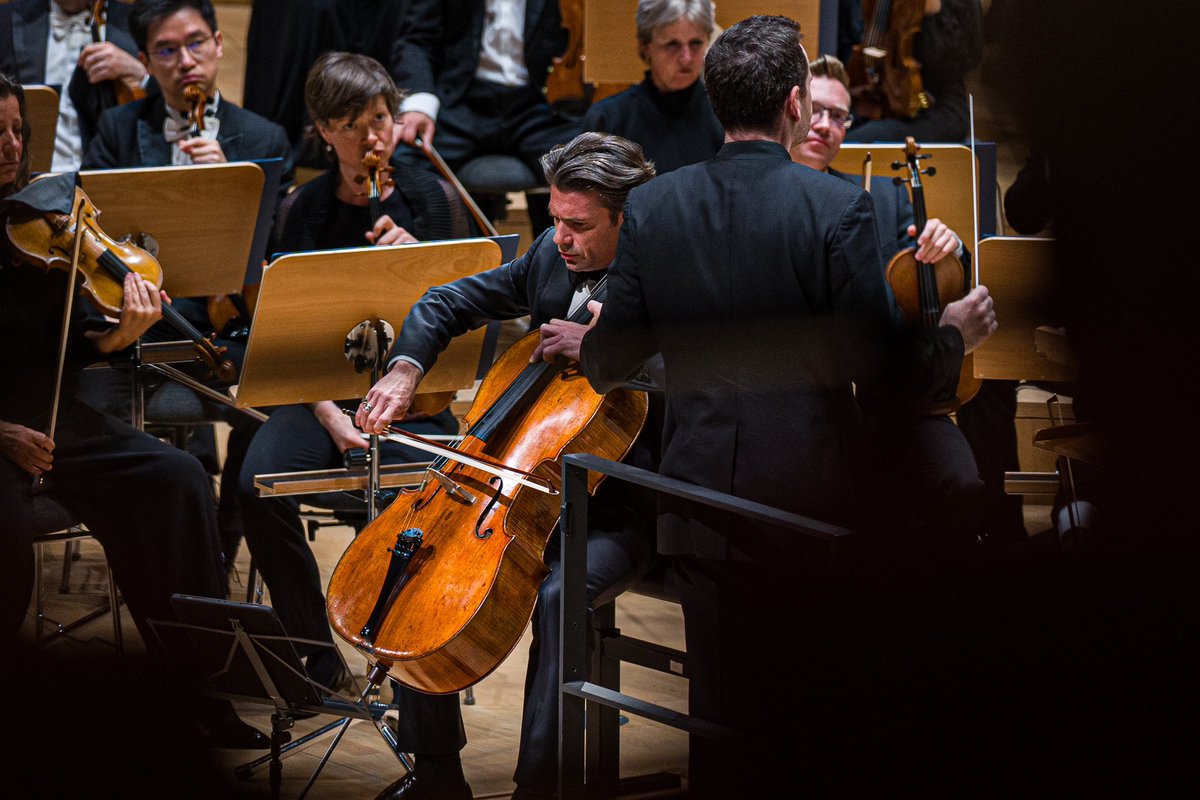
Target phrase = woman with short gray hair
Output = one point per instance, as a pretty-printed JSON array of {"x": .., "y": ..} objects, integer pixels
[{"x": 668, "y": 113}]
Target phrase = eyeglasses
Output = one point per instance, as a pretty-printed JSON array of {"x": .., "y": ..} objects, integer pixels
[
  {"x": 169, "y": 54},
  {"x": 837, "y": 116}
]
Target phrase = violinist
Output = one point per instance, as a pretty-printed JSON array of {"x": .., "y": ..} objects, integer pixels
[
  {"x": 52, "y": 42},
  {"x": 939, "y": 476},
  {"x": 589, "y": 179},
  {"x": 353, "y": 101},
  {"x": 179, "y": 43},
  {"x": 668, "y": 113},
  {"x": 149, "y": 504}
]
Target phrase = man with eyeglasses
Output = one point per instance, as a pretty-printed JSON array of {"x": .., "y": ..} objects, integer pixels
[
  {"x": 937, "y": 466},
  {"x": 179, "y": 43}
]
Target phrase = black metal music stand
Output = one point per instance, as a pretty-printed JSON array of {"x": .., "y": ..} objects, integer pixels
[{"x": 241, "y": 652}]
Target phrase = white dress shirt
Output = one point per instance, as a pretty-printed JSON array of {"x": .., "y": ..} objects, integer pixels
[{"x": 69, "y": 34}]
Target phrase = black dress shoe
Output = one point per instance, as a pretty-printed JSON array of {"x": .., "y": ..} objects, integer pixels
[
  {"x": 412, "y": 787},
  {"x": 235, "y": 734}
]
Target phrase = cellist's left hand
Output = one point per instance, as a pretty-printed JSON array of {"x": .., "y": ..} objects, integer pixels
[
  {"x": 935, "y": 242},
  {"x": 562, "y": 338},
  {"x": 142, "y": 307}
]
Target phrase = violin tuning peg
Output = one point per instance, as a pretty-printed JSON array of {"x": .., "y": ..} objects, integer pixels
[
  {"x": 930, "y": 172},
  {"x": 897, "y": 165},
  {"x": 897, "y": 181}
]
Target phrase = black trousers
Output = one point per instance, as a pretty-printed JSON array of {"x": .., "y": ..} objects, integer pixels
[
  {"x": 149, "y": 504},
  {"x": 293, "y": 440}
]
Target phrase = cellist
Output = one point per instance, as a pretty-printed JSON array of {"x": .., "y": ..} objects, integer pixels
[
  {"x": 589, "y": 178},
  {"x": 149, "y": 504}
]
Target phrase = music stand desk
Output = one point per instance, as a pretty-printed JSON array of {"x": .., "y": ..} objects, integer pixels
[
  {"x": 41, "y": 106},
  {"x": 201, "y": 215},
  {"x": 1019, "y": 274},
  {"x": 309, "y": 302}
]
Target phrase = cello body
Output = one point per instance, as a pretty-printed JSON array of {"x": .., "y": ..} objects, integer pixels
[
  {"x": 885, "y": 76},
  {"x": 461, "y": 602}
]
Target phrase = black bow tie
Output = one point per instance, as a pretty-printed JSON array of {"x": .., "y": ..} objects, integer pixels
[{"x": 585, "y": 279}]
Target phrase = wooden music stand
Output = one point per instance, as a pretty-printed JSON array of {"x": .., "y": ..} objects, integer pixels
[
  {"x": 610, "y": 51},
  {"x": 41, "y": 106},
  {"x": 1019, "y": 274},
  {"x": 203, "y": 245},
  {"x": 309, "y": 302},
  {"x": 947, "y": 194}
]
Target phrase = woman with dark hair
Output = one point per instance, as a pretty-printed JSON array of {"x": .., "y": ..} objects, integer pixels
[
  {"x": 149, "y": 504},
  {"x": 353, "y": 101}
]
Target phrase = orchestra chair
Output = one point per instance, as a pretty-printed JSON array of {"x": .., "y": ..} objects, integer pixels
[
  {"x": 589, "y": 747},
  {"x": 54, "y": 523},
  {"x": 490, "y": 178}
]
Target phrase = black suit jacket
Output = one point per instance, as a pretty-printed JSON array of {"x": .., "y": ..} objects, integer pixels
[
  {"x": 440, "y": 40},
  {"x": 535, "y": 284},
  {"x": 24, "y": 28},
  {"x": 761, "y": 282},
  {"x": 132, "y": 136}
]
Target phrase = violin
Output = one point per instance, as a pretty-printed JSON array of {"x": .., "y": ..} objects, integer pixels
[
  {"x": 222, "y": 309},
  {"x": 48, "y": 240},
  {"x": 125, "y": 90},
  {"x": 922, "y": 290},
  {"x": 378, "y": 178},
  {"x": 564, "y": 84},
  {"x": 885, "y": 76},
  {"x": 438, "y": 589}
]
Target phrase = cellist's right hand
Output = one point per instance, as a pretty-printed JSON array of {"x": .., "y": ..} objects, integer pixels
[
  {"x": 388, "y": 399},
  {"x": 30, "y": 450}
]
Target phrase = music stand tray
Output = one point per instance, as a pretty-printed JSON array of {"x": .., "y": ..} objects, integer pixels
[{"x": 242, "y": 652}]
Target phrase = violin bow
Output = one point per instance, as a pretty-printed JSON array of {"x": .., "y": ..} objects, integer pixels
[
  {"x": 433, "y": 155},
  {"x": 974, "y": 188},
  {"x": 40, "y": 482}
]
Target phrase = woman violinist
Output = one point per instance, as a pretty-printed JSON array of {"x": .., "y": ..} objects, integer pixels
[{"x": 352, "y": 100}]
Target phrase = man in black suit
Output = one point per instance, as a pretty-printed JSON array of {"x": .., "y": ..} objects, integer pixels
[
  {"x": 589, "y": 180},
  {"x": 476, "y": 70},
  {"x": 179, "y": 43},
  {"x": 51, "y": 42},
  {"x": 784, "y": 287}
]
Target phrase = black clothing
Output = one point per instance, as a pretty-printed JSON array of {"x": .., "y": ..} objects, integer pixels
[
  {"x": 148, "y": 504},
  {"x": 24, "y": 29},
  {"x": 314, "y": 219},
  {"x": 620, "y": 544},
  {"x": 287, "y": 36},
  {"x": 674, "y": 129},
  {"x": 784, "y": 285},
  {"x": 438, "y": 51}
]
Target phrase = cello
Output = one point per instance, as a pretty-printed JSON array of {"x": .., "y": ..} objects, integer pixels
[
  {"x": 438, "y": 589},
  {"x": 885, "y": 76},
  {"x": 922, "y": 290}
]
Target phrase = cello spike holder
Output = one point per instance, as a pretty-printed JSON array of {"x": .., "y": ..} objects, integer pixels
[{"x": 366, "y": 347}]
